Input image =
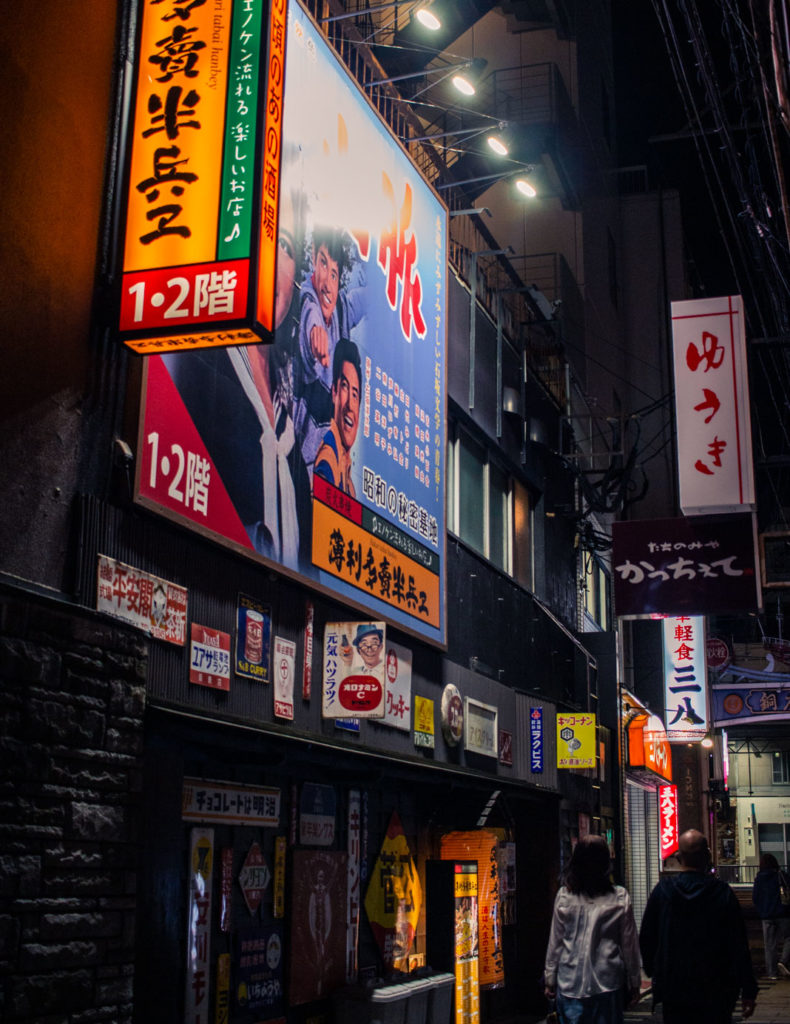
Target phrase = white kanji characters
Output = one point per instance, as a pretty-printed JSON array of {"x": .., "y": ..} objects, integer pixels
[
  {"x": 198, "y": 479},
  {"x": 215, "y": 292}
]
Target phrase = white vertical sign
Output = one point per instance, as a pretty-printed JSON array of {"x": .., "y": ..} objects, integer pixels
[
  {"x": 685, "y": 678},
  {"x": 283, "y": 675},
  {"x": 714, "y": 437},
  {"x": 398, "y": 670},
  {"x": 201, "y": 866}
]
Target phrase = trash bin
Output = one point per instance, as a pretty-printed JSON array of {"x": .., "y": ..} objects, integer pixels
[
  {"x": 440, "y": 999},
  {"x": 388, "y": 1004},
  {"x": 384, "y": 1005},
  {"x": 419, "y": 995}
]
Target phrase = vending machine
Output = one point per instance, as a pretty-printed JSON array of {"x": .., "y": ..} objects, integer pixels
[{"x": 452, "y": 941}]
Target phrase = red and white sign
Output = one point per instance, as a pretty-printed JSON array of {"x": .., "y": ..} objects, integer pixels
[
  {"x": 398, "y": 699},
  {"x": 354, "y": 670},
  {"x": 668, "y": 820},
  {"x": 717, "y": 652},
  {"x": 254, "y": 877},
  {"x": 144, "y": 601},
  {"x": 209, "y": 658},
  {"x": 714, "y": 437},
  {"x": 283, "y": 675}
]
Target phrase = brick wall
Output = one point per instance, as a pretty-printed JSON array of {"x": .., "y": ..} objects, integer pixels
[{"x": 73, "y": 695}]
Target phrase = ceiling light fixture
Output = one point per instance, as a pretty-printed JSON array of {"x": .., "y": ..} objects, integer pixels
[
  {"x": 428, "y": 19},
  {"x": 498, "y": 146},
  {"x": 463, "y": 85},
  {"x": 425, "y": 16},
  {"x": 522, "y": 185},
  {"x": 461, "y": 82}
]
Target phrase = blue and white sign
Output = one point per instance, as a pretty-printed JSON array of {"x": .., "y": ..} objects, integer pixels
[
  {"x": 685, "y": 678},
  {"x": 536, "y": 740}
]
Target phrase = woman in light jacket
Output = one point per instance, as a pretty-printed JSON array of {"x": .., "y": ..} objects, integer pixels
[{"x": 592, "y": 960}]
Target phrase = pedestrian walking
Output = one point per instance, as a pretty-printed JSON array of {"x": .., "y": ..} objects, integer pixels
[
  {"x": 767, "y": 896},
  {"x": 693, "y": 942},
  {"x": 592, "y": 961}
]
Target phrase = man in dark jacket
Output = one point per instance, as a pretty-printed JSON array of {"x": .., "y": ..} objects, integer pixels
[
  {"x": 693, "y": 942},
  {"x": 775, "y": 916}
]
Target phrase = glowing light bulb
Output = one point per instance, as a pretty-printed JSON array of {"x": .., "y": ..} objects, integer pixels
[
  {"x": 497, "y": 145},
  {"x": 463, "y": 85},
  {"x": 428, "y": 19},
  {"x": 525, "y": 188}
]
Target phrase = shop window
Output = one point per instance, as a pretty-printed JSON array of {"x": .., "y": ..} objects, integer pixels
[
  {"x": 780, "y": 763},
  {"x": 471, "y": 493}
]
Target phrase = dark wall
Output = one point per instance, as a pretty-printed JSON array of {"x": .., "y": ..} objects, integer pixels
[
  {"x": 71, "y": 740},
  {"x": 56, "y": 78}
]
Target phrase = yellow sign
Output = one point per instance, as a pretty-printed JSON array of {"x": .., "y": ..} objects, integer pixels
[
  {"x": 176, "y": 163},
  {"x": 189, "y": 259},
  {"x": 394, "y": 897},
  {"x": 576, "y": 741},
  {"x": 334, "y": 536},
  {"x": 467, "y": 991},
  {"x": 423, "y": 722},
  {"x": 221, "y": 1014}
]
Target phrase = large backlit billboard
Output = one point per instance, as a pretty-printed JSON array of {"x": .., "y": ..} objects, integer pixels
[{"x": 323, "y": 453}]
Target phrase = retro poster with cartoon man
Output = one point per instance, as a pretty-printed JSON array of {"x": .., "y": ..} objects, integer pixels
[{"x": 323, "y": 453}]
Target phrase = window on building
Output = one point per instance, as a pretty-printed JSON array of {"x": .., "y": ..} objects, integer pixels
[
  {"x": 487, "y": 508},
  {"x": 595, "y": 584},
  {"x": 780, "y": 763}
]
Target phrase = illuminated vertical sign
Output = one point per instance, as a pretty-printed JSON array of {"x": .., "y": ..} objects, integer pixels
[
  {"x": 536, "y": 740},
  {"x": 714, "y": 441},
  {"x": 189, "y": 259},
  {"x": 685, "y": 678},
  {"x": 725, "y": 758},
  {"x": 271, "y": 163},
  {"x": 668, "y": 820}
]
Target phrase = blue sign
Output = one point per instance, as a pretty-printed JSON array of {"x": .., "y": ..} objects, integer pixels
[
  {"x": 752, "y": 701},
  {"x": 536, "y": 740}
]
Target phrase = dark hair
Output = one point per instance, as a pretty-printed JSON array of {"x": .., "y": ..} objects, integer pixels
[
  {"x": 768, "y": 862},
  {"x": 337, "y": 243},
  {"x": 345, "y": 352},
  {"x": 588, "y": 871}
]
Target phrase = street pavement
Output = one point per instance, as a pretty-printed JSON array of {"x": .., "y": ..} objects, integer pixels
[
  {"x": 773, "y": 1006},
  {"x": 773, "y": 999}
]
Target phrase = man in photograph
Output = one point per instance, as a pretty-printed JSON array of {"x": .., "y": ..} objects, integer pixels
[
  {"x": 328, "y": 313},
  {"x": 333, "y": 460}
]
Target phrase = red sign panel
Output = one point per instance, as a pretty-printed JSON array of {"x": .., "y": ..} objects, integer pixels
[
  {"x": 360, "y": 693},
  {"x": 209, "y": 662},
  {"x": 648, "y": 746},
  {"x": 668, "y": 820}
]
